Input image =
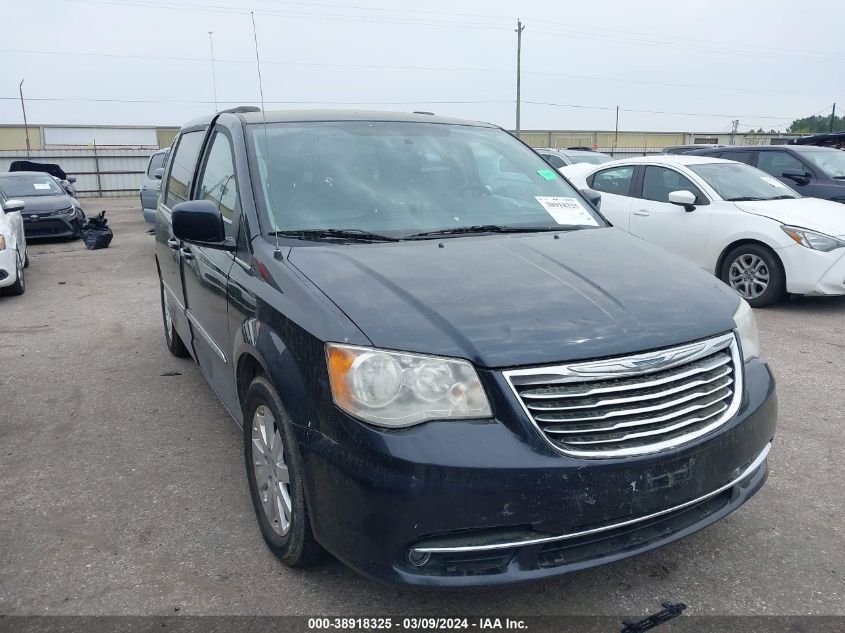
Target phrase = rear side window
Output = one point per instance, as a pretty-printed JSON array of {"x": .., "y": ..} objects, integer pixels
[
  {"x": 218, "y": 182},
  {"x": 659, "y": 182},
  {"x": 182, "y": 167},
  {"x": 740, "y": 157},
  {"x": 156, "y": 162},
  {"x": 617, "y": 180},
  {"x": 775, "y": 163},
  {"x": 556, "y": 161}
]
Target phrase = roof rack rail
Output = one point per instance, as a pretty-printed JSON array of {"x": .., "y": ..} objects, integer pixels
[{"x": 241, "y": 109}]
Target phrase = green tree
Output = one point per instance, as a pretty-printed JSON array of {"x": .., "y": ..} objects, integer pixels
[{"x": 816, "y": 124}]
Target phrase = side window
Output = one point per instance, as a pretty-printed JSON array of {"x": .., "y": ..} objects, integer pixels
[
  {"x": 156, "y": 162},
  {"x": 182, "y": 167},
  {"x": 616, "y": 181},
  {"x": 218, "y": 182},
  {"x": 556, "y": 161},
  {"x": 775, "y": 163},
  {"x": 659, "y": 182},
  {"x": 740, "y": 157}
]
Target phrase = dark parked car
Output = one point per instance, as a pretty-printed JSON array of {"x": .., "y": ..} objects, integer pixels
[
  {"x": 50, "y": 211},
  {"x": 817, "y": 172},
  {"x": 68, "y": 183},
  {"x": 448, "y": 367}
]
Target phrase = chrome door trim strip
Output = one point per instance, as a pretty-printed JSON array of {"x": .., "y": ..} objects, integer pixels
[
  {"x": 551, "y": 539},
  {"x": 205, "y": 335},
  {"x": 173, "y": 294}
]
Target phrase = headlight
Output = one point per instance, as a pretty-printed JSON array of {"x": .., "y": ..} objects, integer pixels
[
  {"x": 397, "y": 389},
  {"x": 812, "y": 239},
  {"x": 746, "y": 328},
  {"x": 70, "y": 211}
]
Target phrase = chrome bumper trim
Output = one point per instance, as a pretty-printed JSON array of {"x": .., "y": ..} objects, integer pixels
[{"x": 551, "y": 539}]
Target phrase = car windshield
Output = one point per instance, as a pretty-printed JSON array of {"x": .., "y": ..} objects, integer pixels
[
  {"x": 22, "y": 186},
  {"x": 830, "y": 161},
  {"x": 736, "y": 182},
  {"x": 402, "y": 179},
  {"x": 592, "y": 159}
]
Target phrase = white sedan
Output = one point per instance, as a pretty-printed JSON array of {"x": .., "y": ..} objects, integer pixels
[
  {"x": 749, "y": 229},
  {"x": 13, "y": 257}
]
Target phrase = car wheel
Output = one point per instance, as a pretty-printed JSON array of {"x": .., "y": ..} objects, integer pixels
[
  {"x": 19, "y": 287},
  {"x": 171, "y": 336},
  {"x": 275, "y": 474},
  {"x": 755, "y": 272}
]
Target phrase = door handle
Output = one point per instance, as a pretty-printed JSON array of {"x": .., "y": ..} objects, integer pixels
[
  {"x": 187, "y": 254},
  {"x": 173, "y": 243},
  {"x": 642, "y": 212}
]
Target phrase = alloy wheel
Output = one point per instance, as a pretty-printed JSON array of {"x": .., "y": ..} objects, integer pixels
[
  {"x": 272, "y": 479},
  {"x": 749, "y": 275}
]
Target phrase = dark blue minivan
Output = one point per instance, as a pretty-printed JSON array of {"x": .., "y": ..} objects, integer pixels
[{"x": 449, "y": 368}]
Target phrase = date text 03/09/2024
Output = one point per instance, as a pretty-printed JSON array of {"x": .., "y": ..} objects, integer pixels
[{"x": 412, "y": 624}]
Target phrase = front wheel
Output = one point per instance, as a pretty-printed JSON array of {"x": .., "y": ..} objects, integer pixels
[
  {"x": 171, "y": 336},
  {"x": 19, "y": 287},
  {"x": 756, "y": 273},
  {"x": 275, "y": 474}
]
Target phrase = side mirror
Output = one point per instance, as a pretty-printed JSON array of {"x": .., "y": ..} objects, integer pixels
[
  {"x": 13, "y": 204},
  {"x": 71, "y": 179},
  {"x": 797, "y": 176},
  {"x": 683, "y": 198},
  {"x": 593, "y": 197},
  {"x": 158, "y": 173},
  {"x": 200, "y": 222}
]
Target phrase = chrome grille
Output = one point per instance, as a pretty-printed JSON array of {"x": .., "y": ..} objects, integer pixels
[{"x": 635, "y": 404}]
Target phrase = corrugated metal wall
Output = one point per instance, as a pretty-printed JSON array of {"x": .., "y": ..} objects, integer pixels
[{"x": 109, "y": 172}]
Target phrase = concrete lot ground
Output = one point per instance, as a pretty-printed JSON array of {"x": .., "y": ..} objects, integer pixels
[{"x": 122, "y": 485}]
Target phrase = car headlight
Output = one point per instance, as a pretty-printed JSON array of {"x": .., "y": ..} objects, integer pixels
[
  {"x": 70, "y": 211},
  {"x": 812, "y": 239},
  {"x": 397, "y": 389},
  {"x": 746, "y": 328}
]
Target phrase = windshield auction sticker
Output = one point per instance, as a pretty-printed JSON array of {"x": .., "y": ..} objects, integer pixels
[{"x": 566, "y": 211}]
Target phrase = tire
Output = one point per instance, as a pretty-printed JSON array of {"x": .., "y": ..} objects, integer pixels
[
  {"x": 287, "y": 534},
  {"x": 172, "y": 340},
  {"x": 747, "y": 266},
  {"x": 19, "y": 287}
]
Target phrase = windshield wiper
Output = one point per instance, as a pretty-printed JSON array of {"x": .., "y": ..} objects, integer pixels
[
  {"x": 782, "y": 198},
  {"x": 495, "y": 228},
  {"x": 358, "y": 235},
  {"x": 745, "y": 199}
]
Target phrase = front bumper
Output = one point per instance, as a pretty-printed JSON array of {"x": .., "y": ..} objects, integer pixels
[
  {"x": 813, "y": 273},
  {"x": 55, "y": 226},
  {"x": 8, "y": 267},
  {"x": 465, "y": 503}
]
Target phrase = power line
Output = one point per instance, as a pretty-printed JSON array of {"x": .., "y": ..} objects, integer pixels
[{"x": 393, "y": 67}]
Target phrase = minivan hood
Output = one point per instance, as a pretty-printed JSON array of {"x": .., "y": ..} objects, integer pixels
[
  {"x": 44, "y": 204},
  {"x": 809, "y": 213},
  {"x": 510, "y": 300}
]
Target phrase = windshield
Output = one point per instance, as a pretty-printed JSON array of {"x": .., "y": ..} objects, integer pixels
[
  {"x": 24, "y": 186},
  {"x": 592, "y": 159},
  {"x": 401, "y": 179},
  {"x": 831, "y": 162},
  {"x": 736, "y": 181}
]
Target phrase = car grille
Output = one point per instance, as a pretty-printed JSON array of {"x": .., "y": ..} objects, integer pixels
[
  {"x": 635, "y": 404},
  {"x": 46, "y": 228}
]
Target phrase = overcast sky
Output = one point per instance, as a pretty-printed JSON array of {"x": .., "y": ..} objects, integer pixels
[{"x": 763, "y": 62}]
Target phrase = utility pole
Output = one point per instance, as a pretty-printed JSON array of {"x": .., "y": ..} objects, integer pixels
[
  {"x": 616, "y": 136},
  {"x": 734, "y": 129},
  {"x": 213, "y": 76},
  {"x": 832, "y": 117},
  {"x": 25, "y": 125},
  {"x": 519, "y": 29}
]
